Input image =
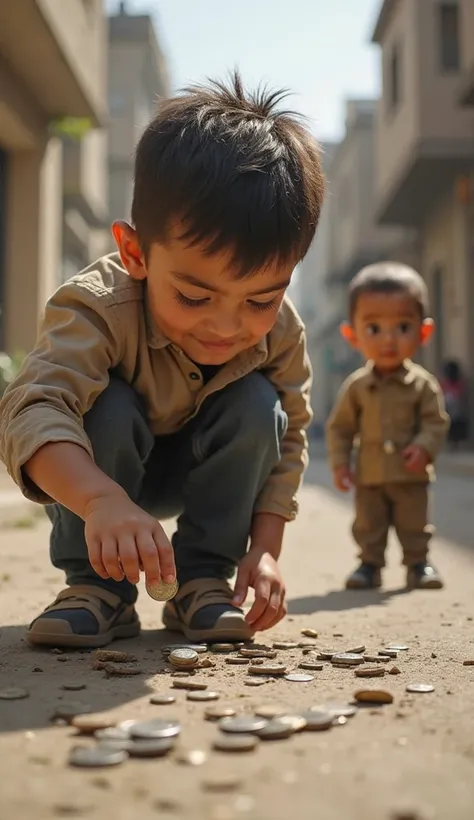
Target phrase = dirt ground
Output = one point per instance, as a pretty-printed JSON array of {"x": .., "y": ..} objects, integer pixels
[{"x": 411, "y": 760}]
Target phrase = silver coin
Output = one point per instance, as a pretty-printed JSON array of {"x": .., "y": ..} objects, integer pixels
[
  {"x": 285, "y": 645},
  {"x": 236, "y": 743},
  {"x": 156, "y": 747},
  {"x": 155, "y": 728},
  {"x": 326, "y": 654},
  {"x": 336, "y": 709},
  {"x": 295, "y": 677},
  {"x": 276, "y": 730},
  {"x": 13, "y": 693},
  {"x": 202, "y": 696},
  {"x": 113, "y": 733},
  {"x": 347, "y": 658},
  {"x": 388, "y": 653},
  {"x": 222, "y": 647},
  {"x": 421, "y": 688},
  {"x": 317, "y": 721},
  {"x": 269, "y": 711},
  {"x": 397, "y": 647},
  {"x": 162, "y": 700},
  {"x": 162, "y": 591},
  {"x": 242, "y": 724},
  {"x": 183, "y": 657},
  {"x": 96, "y": 756},
  {"x": 312, "y": 666},
  {"x": 297, "y": 722},
  {"x": 216, "y": 713}
]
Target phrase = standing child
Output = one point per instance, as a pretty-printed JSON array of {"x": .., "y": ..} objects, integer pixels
[
  {"x": 393, "y": 411},
  {"x": 171, "y": 378}
]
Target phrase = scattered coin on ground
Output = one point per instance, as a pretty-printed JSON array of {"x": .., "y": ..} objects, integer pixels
[
  {"x": 191, "y": 757},
  {"x": 309, "y": 633},
  {"x": 421, "y": 688},
  {"x": 271, "y": 669},
  {"x": 242, "y": 724},
  {"x": 313, "y": 666},
  {"x": 347, "y": 658},
  {"x": 222, "y": 647},
  {"x": 370, "y": 672},
  {"x": 394, "y": 647},
  {"x": 255, "y": 681},
  {"x": 276, "y": 730},
  {"x": 307, "y": 644},
  {"x": 296, "y": 677},
  {"x": 162, "y": 591},
  {"x": 113, "y": 733},
  {"x": 183, "y": 657},
  {"x": 373, "y": 696},
  {"x": 238, "y": 661},
  {"x": 162, "y": 700},
  {"x": 388, "y": 653},
  {"x": 155, "y": 747},
  {"x": 285, "y": 645},
  {"x": 96, "y": 756},
  {"x": 218, "y": 712},
  {"x": 336, "y": 709},
  {"x": 67, "y": 711},
  {"x": 356, "y": 650},
  {"x": 155, "y": 728},
  {"x": 89, "y": 723},
  {"x": 190, "y": 684},
  {"x": 257, "y": 653},
  {"x": 269, "y": 711},
  {"x": 339, "y": 721},
  {"x": 73, "y": 687},
  {"x": 202, "y": 696},
  {"x": 236, "y": 743},
  {"x": 297, "y": 722},
  {"x": 376, "y": 659},
  {"x": 317, "y": 721},
  {"x": 14, "y": 693}
]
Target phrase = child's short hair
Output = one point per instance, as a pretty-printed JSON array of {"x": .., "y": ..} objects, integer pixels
[
  {"x": 389, "y": 277},
  {"x": 233, "y": 171}
]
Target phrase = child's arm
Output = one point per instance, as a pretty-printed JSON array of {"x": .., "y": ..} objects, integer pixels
[
  {"x": 341, "y": 429},
  {"x": 434, "y": 425}
]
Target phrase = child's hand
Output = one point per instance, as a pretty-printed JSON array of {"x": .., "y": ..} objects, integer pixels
[
  {"x": 416, "y": 458},
  {"x": 343, "y": 478},
  {"x": 122, "y": 539},
  {"x": 260, "y": 571}
]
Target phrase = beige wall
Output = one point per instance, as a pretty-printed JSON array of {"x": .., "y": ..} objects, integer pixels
[{"x": 467, "y": 33}]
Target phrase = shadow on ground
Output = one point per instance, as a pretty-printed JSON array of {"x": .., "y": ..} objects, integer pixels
[
  {"x": 44, "y": 672},
  {"x": 338, "y": 600}
]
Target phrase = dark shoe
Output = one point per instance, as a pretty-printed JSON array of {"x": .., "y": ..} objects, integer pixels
[
  {"x": 423, "y": 576},
  {"x": 366, "y": 576},
  {"x": 203, "y": 611},
  {"x": 84, "y": 616}
]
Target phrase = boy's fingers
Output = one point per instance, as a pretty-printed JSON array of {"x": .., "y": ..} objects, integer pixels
[
  {"x": 262, "y": 597},
  {"x": 129, "y": 558},
  {"x": 166, "y": 556},
  {"x": 148, "y": 552},
  {"x": 110, "y": 558},
  {"x": 270, "y": 613},
  {"x": 282, "y": 610},
  {"x": 241, "y": 587},
  {"x": 95, "y": 556}
]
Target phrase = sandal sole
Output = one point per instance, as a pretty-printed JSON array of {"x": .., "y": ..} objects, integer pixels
[
  {"x": 38, "y": 638},
  {"x": 239, "y": 633}
]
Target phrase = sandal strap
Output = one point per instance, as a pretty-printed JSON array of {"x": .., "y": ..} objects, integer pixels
[
  {"x": 83, "y": 596},
  {"x": 206, "y": 592}
]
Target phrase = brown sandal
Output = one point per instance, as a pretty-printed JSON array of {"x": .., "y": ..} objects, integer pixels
[
  {"x": 229, "y": 625},
  {"x": 114, "y": 620}
]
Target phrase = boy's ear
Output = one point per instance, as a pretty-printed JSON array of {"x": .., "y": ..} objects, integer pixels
[
  {"x": 427, "y": 330},
  {"x": 348, "y": 334},
  {"x": 130, "y": 253}
]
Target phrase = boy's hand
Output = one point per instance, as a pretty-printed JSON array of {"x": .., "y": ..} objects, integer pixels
[
  {"x": 343, "y": 478},
  {"x": 260, "y": 571},
  {"x": 416, "y": 458},
  {"x": 122, "y": 539}
]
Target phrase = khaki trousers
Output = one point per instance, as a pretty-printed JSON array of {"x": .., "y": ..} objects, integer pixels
[{"x": 402, "y": 506}]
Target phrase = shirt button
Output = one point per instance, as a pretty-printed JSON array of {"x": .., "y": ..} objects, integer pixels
[
  {"x": 195, "y": 376},
  {"x": 389, "y": 447}
]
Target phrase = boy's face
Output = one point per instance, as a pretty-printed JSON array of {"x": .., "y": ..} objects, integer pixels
[
  {"x": 387, "y": 328},
  {"x": 196, "y": 301}
]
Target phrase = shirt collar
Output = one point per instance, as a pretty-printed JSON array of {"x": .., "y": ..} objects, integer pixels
[{"x": 405, "y": 374}]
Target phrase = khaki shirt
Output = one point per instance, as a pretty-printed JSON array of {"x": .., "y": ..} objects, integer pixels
[
  {"x": 99, "y": 321},
  {"x": 379, "y": 417}
]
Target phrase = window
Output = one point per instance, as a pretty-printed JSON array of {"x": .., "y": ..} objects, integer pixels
[
  {"x": 449, "y": 41},
  {"x": 394, "y": 79}
]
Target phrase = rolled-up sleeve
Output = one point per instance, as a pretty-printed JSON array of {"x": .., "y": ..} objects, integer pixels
[{"x": 78, "y": 343}]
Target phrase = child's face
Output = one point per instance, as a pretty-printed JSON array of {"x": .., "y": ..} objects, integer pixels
[
  {"x": 387, "y": 328},
  {"x": 197, "y": 303}
]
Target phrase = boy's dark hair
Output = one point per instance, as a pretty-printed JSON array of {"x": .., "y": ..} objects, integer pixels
[
  {"x": 235, "y": 172},
  {"x": 389, "y": 277}
]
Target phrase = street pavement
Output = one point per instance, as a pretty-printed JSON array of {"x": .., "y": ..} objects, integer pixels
[{"x": 411, "y": 759}]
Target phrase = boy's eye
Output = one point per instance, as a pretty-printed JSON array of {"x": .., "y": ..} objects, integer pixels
[
  {"x": 262, "y": 305},
  {"x": 185, "y": 301},
  {"x": 373, "y": 329},
  {"x": 404, "y": 328}
]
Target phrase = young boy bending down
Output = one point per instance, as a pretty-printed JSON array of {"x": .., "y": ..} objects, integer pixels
[
  {"x": 172, "y": 378},
  {"x": 393, "y": 410}
]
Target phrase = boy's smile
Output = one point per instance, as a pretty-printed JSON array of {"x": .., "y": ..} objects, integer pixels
[{"x": 197, "y": 301}]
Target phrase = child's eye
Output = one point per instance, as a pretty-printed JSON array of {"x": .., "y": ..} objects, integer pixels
[
  {"x": 404, "y": 328},
  {"x": 373, "y": 329},
  {"x": 185, "y": 301},
  {"x": 262, "y": 305}
]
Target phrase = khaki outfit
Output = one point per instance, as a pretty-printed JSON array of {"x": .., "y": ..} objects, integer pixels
[
  {"x": 377, "y": 417},
  {"x": 99, "y": 324}
]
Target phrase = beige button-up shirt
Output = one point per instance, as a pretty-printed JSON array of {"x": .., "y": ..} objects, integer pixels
[
  {"x": 378, "y": 417},
  {"x": 99, "y": 321}
]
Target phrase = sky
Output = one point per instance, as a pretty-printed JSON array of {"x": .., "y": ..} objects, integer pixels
[{"x": 318, "y": 49}]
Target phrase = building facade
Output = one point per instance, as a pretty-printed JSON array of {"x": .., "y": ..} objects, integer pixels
[
  {"x": 425, "y": 156},
  {"x": 51, "y": 67},
  {"x": 138, "y": 77}
]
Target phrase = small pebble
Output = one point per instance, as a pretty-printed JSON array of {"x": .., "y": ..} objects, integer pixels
[
  {"x": 309, "y": 633},
  {"x": 394, "y": 671},
  {"x": 119, "y": 670},
  {"x": 193, "y": 757},
  {"x": 190, "y": 684},
  {"x": 113, "y": 656},
  {"x": 468, "y": 663}
]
